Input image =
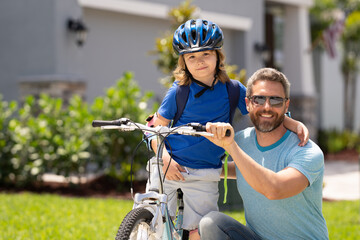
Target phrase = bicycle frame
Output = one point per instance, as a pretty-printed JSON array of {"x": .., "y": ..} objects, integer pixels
[
  {"x": 156, "y": 194},
  {"x": 154, "y": 199}
]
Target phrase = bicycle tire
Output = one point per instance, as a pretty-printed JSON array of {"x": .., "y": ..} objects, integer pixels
[{"x": 129, "y": 227}]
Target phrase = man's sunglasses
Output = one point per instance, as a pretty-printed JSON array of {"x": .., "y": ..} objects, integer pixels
[{"x": 274, "y": 101}]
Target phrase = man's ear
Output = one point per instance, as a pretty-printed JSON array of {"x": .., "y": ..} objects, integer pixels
[
  {"x": 287, "y": 105},
  {"x": 247, "y": 104}
]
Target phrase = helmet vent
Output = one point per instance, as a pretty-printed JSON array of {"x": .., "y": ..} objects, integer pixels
[
  {"x": 193, "y": 34},
  {"x": 183, "y": 36},
  {"x": 203, "y": 34}
]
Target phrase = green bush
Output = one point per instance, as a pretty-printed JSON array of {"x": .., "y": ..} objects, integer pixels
[
  {"x": 7, "y": 111},
  {"x": 110, "y": 146},
  {"x": 33, "y": 132},
  {"x": 334, "y": 141},
  {"x": 45, "y": 136}
]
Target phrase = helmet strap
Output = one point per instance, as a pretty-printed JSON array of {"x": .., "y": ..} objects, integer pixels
[{"x": 206, "y": 87}]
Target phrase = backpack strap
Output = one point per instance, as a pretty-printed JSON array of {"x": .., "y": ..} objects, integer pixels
[
  {"x": 233, "y": 90},
  {"x": 182, "y": 95}
]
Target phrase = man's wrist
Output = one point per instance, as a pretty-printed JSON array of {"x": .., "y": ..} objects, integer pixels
[{"x": 231, "y": 147}]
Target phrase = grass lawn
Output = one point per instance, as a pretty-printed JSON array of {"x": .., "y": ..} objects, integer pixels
[{"x": 35, "y": 216}]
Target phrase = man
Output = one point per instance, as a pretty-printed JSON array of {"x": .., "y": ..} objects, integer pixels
[{"x": 279, "y": 181}]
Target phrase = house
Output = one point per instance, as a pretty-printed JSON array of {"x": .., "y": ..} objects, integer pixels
[{"x": 41, "y": 51}]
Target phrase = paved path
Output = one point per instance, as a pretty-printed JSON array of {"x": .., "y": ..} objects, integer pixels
[{"x": 342, "y": 180}]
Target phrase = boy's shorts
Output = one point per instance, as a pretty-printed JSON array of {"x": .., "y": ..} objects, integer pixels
[{"x": 201, "y": 194}]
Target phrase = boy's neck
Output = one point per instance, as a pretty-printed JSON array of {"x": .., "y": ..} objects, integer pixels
[{"x": 208, "y": 82}]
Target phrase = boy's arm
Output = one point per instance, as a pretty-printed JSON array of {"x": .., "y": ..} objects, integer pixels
[
  {"x": 299, "y": 128},
  {"x": 174, "y": 170}
]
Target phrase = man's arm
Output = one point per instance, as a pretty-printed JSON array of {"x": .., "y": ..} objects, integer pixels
[
  {"x": 299, "y": 128},
  {"x": 286, "y": 183}
]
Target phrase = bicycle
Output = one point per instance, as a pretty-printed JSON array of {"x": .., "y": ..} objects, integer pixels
[{"x": 150, "y": 218}]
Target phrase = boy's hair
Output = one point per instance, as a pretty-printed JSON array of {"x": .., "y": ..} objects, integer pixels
[
  {"x": 182, "y": 75},
  {"x": 268, "y": 74}
]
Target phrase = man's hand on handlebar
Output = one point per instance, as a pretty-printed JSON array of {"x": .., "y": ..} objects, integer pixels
[{"x": 220, "y": 131}]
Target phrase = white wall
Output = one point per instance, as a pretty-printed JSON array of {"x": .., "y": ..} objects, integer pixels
[
  {"x": 333, "y": 93},
  {"x": 33, "y": 42},
  {"x": 119, "y": 41}
]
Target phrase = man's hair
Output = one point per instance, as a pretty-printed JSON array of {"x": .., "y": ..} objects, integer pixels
[
  {"x": 268, "y": 74},
  {"x": 181, "y": 74}
]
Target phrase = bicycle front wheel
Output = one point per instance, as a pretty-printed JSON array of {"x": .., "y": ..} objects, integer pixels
[{"x": 136, "y": 225}]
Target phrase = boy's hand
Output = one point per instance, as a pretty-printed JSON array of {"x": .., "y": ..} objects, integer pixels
[
  {"x": 174, "y": 171},
  {"x": 303, "y": 134}
]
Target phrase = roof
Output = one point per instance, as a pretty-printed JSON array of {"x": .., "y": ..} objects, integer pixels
[{"x": 160, "y": 11}]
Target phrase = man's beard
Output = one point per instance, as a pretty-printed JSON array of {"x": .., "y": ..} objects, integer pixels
[{"x": 266, "y": 126}]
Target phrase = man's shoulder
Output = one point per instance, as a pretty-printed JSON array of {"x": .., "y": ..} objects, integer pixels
[
  {"x": 310, "y": 149},
  {"x": 246, "y": 133},
  {"x": 293, "y": 138}
]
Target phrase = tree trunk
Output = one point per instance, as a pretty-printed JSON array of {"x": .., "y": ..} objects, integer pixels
[
  {"x": 345, "y": 103},
  {"x": 349, "y": 99},
  {"x": 352, "y": 101}
]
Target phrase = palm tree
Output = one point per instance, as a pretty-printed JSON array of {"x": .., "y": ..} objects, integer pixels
[
  {"x": 350, "y": 41},
  {"x": 323, "y": 16}
]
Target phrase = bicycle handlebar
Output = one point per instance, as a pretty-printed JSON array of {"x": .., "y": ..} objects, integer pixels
[
  {"x": 124, "y": 124},
  {"x": 118, "y": 122}
]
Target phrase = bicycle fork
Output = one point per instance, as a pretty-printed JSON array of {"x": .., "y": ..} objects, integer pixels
[
  {"x": 180, "y": 210},
  {"x": 175, "y": 232}
]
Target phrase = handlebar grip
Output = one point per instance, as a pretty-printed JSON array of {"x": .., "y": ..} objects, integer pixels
[
  {"x": 228, "y": 133},
  {"x": 202, "y": 128},
  {"x": 99, "y": 123}
]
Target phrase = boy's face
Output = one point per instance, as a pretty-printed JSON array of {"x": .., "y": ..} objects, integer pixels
[
  {"x": 202, "y": 65},
  {"x": 267, "y": 117}
]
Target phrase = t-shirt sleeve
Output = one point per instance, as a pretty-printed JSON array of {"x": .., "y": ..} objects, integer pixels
[
  {"x": 242, "y": 103},
  {"x": 309, "y": 160},
  {"x": 168, "y": 106}
]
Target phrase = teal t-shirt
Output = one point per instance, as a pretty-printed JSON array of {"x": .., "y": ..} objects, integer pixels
[{"x": 297, "y": 217}]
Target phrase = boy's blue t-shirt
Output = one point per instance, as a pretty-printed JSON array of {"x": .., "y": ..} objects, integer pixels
[
  {"x": 297, "y": 217},
  {"x": 212, "y": 106}
]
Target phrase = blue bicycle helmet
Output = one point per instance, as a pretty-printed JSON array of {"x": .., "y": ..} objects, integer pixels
[{"x": 197, "y": 35}]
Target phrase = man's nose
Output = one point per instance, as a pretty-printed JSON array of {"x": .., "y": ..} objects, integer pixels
[{"x": 267, "y": 104}]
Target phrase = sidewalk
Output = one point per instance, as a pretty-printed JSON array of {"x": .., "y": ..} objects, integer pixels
[{"x": 341, "y": 180}]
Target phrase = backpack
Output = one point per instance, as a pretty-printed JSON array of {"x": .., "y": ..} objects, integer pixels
[{"x": 182, "y": 95}]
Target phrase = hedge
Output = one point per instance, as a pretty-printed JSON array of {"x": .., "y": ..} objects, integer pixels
[{"x": 44, "y": 136}]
